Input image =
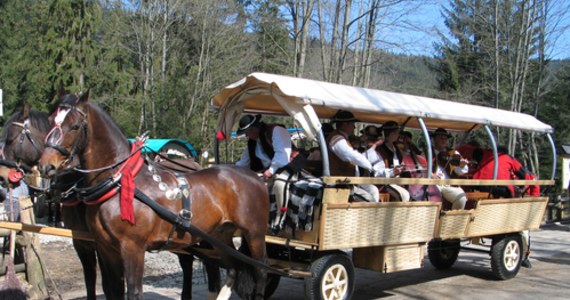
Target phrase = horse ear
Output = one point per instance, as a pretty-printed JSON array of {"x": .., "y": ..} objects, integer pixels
[
  {"x": 83, "y": 98},
  {"x": 82, "y": 101},
  {"x": 26, "y": 110},
  {"x": 61, "y": 89}
]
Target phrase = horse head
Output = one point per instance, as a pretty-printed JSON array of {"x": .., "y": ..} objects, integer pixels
[
  {"x": 80, "y": 131},
  {"x": 23, "y": 136}
]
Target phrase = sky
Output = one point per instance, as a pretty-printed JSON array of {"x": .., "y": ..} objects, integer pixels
[{"x": 428, "y": 21}]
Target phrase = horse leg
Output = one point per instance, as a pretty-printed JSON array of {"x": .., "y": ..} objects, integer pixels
[
  {"x": 86, "y": 253},
  {"x": 74, "y": 218},
  {"x": 187, "y": 265},
  {"x": 214, "y": 278},
  {"x": 58, "y": 216},
  {"x": 226, "y": 291},
  {"x": 112, "y": 278},
  {"x": 133, "y": 261}
]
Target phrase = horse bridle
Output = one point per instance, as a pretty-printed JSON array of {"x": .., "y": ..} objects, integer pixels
[
  {"x": 57, "y": 129},
  {"x": 26, "y": 133}
]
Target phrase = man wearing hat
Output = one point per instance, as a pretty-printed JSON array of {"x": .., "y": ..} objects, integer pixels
[
  {"x": 268, "y": 152},
  {"x": 344, "y": 160},
  {"x": 444, "y": 168},
  {"x": 387, "y": 161},
  {"x": 370, "y": 135}
]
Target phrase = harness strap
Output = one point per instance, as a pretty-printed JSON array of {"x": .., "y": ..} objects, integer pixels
[
  {"x": 186, "y": 212},
  {"x": 175, "y": 220}
]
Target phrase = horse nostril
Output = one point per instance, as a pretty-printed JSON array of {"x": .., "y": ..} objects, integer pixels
[{"x": 47, "y": 170}]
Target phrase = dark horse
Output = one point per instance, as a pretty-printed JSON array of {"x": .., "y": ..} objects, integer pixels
[
  {"x": 218, "y": 201},
  {"x": 24, "y": 134}
]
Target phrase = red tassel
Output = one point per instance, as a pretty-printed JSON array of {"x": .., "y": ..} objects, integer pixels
[
  {"x": 220, "y": 135},
  {"x": 127, "y": 196}
]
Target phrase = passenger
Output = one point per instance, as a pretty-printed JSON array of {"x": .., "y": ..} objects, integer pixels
[
  {"x": 408, "y": 145},
  {"x": 416, "y": 167},
  {"x": 268, "y": 152},
  {"x": 387, "y": 161},
  {"x": 444, "y": 168},
  {"x": 370, "y": 135},
  {"x": 344, "y": 160},
  {"x": 467, "y": 151},
  {"x": 315, "y": 153},
  {"x": 507, "y": 167}
]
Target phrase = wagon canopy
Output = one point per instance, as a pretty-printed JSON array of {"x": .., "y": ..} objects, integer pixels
[{"x": 307, "y": 100}]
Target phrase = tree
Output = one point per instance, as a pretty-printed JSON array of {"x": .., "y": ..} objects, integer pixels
[
  {"x": 273, "y": 43},
  {"x": 495, "y": 55}
]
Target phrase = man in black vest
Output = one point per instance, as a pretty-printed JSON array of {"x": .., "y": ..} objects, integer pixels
[{"x": 268, "y": 152}]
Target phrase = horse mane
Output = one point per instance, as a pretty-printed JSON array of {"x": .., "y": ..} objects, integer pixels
[{"x": 71, "y": 100}]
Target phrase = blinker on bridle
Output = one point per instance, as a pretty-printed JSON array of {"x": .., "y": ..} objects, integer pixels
[
  {"x": 26, "y": 133},
  {"x": 55, "y": 135}
]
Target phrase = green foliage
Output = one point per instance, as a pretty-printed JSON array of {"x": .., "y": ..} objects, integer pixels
[
  {"x": 130, "y": 59},
  {"x": 273, "y": 41}
]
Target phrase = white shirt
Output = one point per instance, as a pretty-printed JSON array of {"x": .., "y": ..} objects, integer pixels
[
  {"x": 379, "y": 165},
  {"x": 345, "y": 152},
  {"x": 281, "y": 145}
]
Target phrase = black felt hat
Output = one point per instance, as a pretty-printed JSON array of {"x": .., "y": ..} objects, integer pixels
[
  {"x": 247, "y": 122},
  {"x": 441, "y": 131},
  {"x": 344, "y": 116}
]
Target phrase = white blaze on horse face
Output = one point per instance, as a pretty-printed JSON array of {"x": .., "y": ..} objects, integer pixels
[
  {"x": 60, "y": 117},
  {"x": 55, "y": 135}
]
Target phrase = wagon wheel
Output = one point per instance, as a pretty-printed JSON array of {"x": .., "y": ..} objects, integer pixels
[
  {"x": 443, "y": 254},
  {"x": 506, "y": 254},
  {"x": 332, "y": 278}
]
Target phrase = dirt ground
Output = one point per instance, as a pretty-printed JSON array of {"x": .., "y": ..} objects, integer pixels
[{"x": 64, "y": 275}]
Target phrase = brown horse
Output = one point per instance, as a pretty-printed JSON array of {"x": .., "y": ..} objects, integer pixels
[
  {"x": 24, "y": 134},
  {"x": 218, "y": 201}
]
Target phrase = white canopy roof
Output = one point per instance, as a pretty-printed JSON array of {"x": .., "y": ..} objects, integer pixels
[{"x": 307, "y": 100}]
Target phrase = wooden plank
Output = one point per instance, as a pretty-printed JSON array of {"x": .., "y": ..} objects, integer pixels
[
  {"x": 285, "y": 241},
  {"x": 425, "y": 181},
  {"x": 79, "y": 235}
]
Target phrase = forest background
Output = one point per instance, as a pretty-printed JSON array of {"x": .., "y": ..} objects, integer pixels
[{"x": 154, "y": 65}]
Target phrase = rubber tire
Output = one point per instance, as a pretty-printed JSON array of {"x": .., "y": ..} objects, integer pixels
[
  {"x": 506, "y": 256},
  {"x": 271, "y": 285},
  {"x": 330, "y": 267},
  {"x": 443, "y": 254}
]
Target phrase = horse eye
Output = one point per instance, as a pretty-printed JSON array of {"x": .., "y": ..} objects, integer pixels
[{"x": 75, "y": 127}]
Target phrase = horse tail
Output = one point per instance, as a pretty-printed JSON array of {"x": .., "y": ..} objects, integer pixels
[{"x": 245, "y": 283}]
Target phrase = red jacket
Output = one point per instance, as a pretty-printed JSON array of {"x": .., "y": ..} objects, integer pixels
[{"x": 507, "y": 166}]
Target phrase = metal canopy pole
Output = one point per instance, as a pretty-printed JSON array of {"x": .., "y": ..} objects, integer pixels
[
  {"x": 495, "y": 153},
  {"x": 554, "y": 162},
  {"x": 429, "y": 151},
  {"x": 324, "y": 152}
]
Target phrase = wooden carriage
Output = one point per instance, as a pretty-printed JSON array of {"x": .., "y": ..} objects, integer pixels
[{"x": 386, "y": 236}]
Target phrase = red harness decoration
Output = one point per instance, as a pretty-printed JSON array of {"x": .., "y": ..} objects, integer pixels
[{"x": 128, "y": 171}]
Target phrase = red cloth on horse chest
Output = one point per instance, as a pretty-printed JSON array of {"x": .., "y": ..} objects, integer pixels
[{"x": 128, "y": 172}]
